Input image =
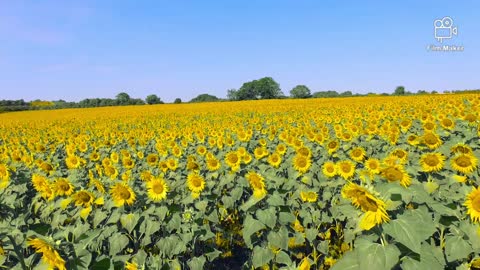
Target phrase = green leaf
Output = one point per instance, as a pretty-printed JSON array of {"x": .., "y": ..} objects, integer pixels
[
  {"x": 283, "y": 258},
  {"x": 251, "y": 226},
  {"x": 411, "y": 228},
  {"x": 129, "y": 221},
  {"x": 278, "y": 239},
  {"x": 286, "y": 218},
  {"x": 261, "y": 256},
  {"x": 98, "y": 218},
  {"x": 456, "y": 248},
  {"x": 349, "y": 261},
  {"x": 431, "y": 257},
  {"x": 118, "y": 242},
  {"x": 375, "y": 256},
  {"x": 267, "y": 217},
  {"x": 197, "y": 263}
]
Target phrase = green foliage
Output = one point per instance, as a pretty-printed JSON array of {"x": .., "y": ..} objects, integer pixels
[
  {"x": 204, "y": 98},
  {"x": 325, "y": 94},
  {"x": 300, "y": 91},
  {"x": 399, "y": 91},
  {"x": 177, "y": 101},
  {"x": 153, "y": 99},
  {"x": 264, "y": 88}
]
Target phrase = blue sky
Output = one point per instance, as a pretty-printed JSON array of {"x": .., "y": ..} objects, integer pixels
[{"x": 73, "y": 50}]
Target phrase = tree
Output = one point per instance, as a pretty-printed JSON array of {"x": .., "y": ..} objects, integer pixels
[
  {"x": 232, "y": 94},
  {"x": 399, "y": 91},
  {"x": 153, "y": 99},
  {"x": 300, "y": 91},
  {"x": 123, "y": 98},
  {"x": 347, "y": 94},
  {"x": 325, "y": 94},
  {"x": 204, "y": 98},
  {"x": 177, "y": 101},
  {"x": 264, "y": 88}
]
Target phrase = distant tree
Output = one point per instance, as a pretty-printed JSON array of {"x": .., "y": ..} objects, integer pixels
[
  {"x": 422, "y": 92},
  {"x": 264, "y": 88},
  {"x": 204, "y": 98},
  {"x": 434, "y": 92},
  {"x": 177, "y": 101},
  {"x": 300, "y": 91},
  {"x": 325, "y": 94},
  {"x": 136, "y": 101},
  {"x": 123, "y": 98},
  {"x": 153, "y": 99},
  {"x": 347, "y": 94},
  {"x": 232, "y": 94},
  {"x": 399, "y": 91}
]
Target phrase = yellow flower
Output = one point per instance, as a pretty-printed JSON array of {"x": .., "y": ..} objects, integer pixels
[
  {"x": 172, "y": 164},
  {"x": 473, "y": 204},
  {"x": 332, "y": 146},
  {"x": 73, "y": 162},
  {"x": 157, "y": 189},
  {"x": 396, "y": 173},
  {"x": 358, "y": 154},
  {"x": 131, "y": 266},
  {"x": 432, "y": 162},
  {"x": 308, "y": 196},
  {"x": 4, "y": 176},
  {"x": 329, "y": 169},
  {"x": 431, "y": 140},
  {"x": 305, "y": 264},
  {"x": 346, "y": 169},
  {"x": 257, "y": 183},
  {"x": 464, "y": 163},
  {"x": 152, "y": 159},
  {"x": 301, "y": 163},
  {"x": 49, "y": 254},
  {"x": 275, "y": 160},
  {"x": 195, "y": 183},
  {"x": 373, "y": 165},
  {"x": 63, "y": 187},
  {"x": 83, "y": 198},
  {"x": 460, "y": 178},
  {"x": 122, "y": 194},
  {"x": 232, "y": 159}
]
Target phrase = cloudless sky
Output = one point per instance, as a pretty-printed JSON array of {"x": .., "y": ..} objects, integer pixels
[{"x": 73, "y": 50}]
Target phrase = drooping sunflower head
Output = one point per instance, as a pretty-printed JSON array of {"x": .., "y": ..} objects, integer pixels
[
  {"x": 413, "y": 139},
  {"x": 122, "y": 194},
  {"x": 83, "y": 198},
  {"x": 464, "y": 163},
  {"x": 157, "y": 189},
  {"x": 461, "y": 148},
  {"x": 308, "y": 196},
  {"x": 63, "y": 187},
  {"x": 4, "y": 173},
  {"x": 396, "y": 173},
  {"x": 432, "y": 162},
  {"x": 257, "y": 183},
  {"x": 447, "y": 123}
]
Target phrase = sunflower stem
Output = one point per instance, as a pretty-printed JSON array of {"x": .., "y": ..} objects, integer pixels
[{"x": 19, "y": 253}]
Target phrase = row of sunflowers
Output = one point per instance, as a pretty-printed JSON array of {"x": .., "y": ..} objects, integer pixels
[{"x": 345, "y": 183}]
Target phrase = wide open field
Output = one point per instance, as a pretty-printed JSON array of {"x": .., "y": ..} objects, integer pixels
[{"x": 365, "y": 183}]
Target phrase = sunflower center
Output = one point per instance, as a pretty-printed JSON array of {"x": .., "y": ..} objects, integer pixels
[
  {"x": 393, "y": 174},
  {"x": 463, "y": 161},
  {"x": 332, "y": 145},
  {"x": 157, "y": 188},
  {"x": 345, "y": 167},
  {"x": 367, "y": 203},
  {"x": 274, "y": 158},
  {"x": 301, "y": 162},
  {"x": 430, "y": 139},
  {"x": 432, "y": 161},
  {"x": 63, "y": 186},
  {"x": 476, "y": 203},
  {"x": 330, "y": 169},
  {"x": 372, "y": 165},
  {"x": 234, "y": 158},
  {"x": 357, "y": 153},
  {"x": 84, "y": 197},
  {"x": 196, "y": 182},
  {"x": 124, "y": 193},
  {"x": 447, "y": 122}
]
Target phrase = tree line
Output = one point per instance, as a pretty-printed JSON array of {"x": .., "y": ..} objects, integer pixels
[{"x": 264, "y": 88}]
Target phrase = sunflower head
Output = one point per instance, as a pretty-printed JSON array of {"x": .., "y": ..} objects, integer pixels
[
  {"x": 464, "y": 163},
  {"x": 122, "y": 194},
  {"x": 301, "y": 163},
  {"x": 472, "y": 203},
  {"x": 157, "y": 189}
]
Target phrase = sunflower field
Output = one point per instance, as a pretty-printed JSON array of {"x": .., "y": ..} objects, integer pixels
[{"x": 340, "y": 183}]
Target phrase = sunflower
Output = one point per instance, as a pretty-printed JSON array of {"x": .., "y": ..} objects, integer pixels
[
  {"x": 163, "y": 166},
  {"x": 308, "y": 196},
  {"x": 152, "y": 159},
  {"x": 413, "y": 139},
  {"x": 232, "y": 159},
  {"x": 464, "y": 163},
  {"x": 73, "y": 162},
  {"x": 4, "y": 176},
  {"x": 373, "y": 165},
  {"x": 195, "y": 183},
  {"x": 431, "y": 140},
  {"x": 247, "y": 159},
  {"x": 49, "y": 255},
  {"x": 281, "y": 149},
  {"x": 447, "y": 123},
  {"x": 400, "y": 154},
  {"x": 396, "y": 173},
  {"x": 131, "y": 266},
  {"x": 257, "y": 183},
  {"x": 461, "y": 148},
  {"x": 260, "y": 152},
  {"x": 329, "y": 169},
  {"x": 83, "y": 198},
  {"x": 241, "y": 151},
  {"x": 157, "y": 189},
  {"x": 114, "y": 157},
  {"x": 301, "y": 163},
  {"x": 274, "y": 160},
  {"x": 146, "y": 176},
  {"x": 122, "y": 194},
  {"x": 332, "y": 146},
  {"x": 46, "y": 167},
  {"x": 358, "y": 154},
  {"x": 63, "y": 187},
  {"x": 473, "y": 204},
  {"x": 346, "y": 169},
  {"x": 432, "y": 162},
  {"x": 172, "y": 164},
  {"x": 213, "y": 164},
  {"x": 373, "y": 208},
  {"x": 201, "y": 150},
  {"x": 304, "y": 151},
  {"x": 94, "y": 156},
  {"x": 111, "y": 172}
]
